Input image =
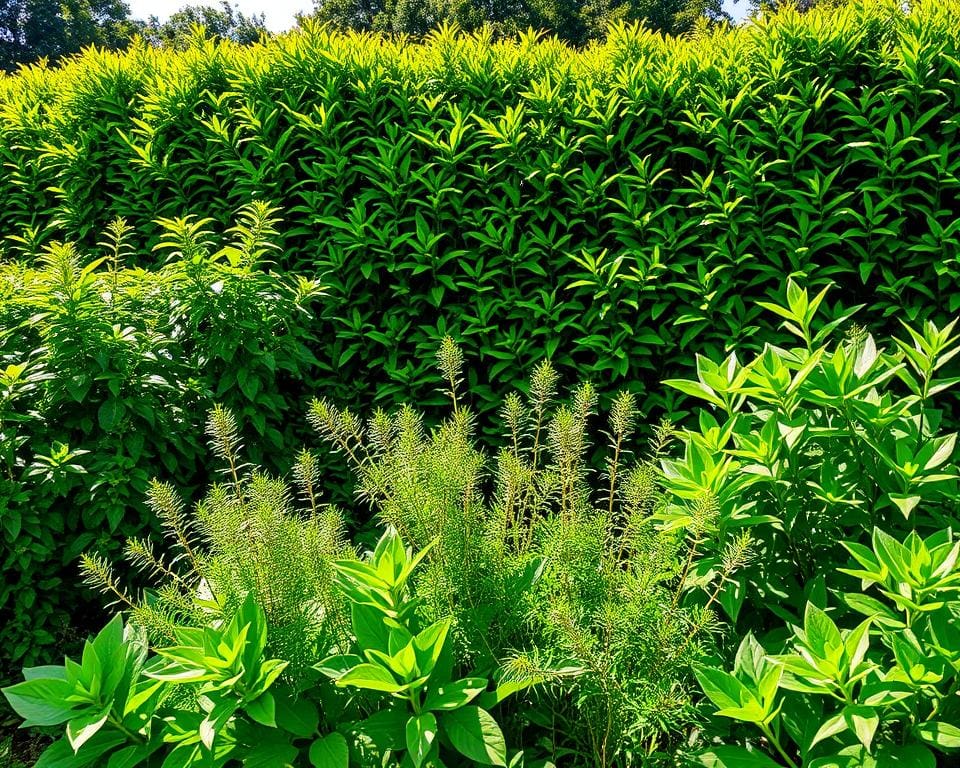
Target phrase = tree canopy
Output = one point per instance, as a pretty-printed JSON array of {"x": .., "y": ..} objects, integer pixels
[
  {"x": 576, "y": 21},
  {"x": 226, "y": 22},
  {"x": 34, "y": 29},
  {"x": 31, "y": 29}
]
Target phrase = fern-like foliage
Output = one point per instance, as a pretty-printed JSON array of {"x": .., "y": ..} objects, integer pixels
[
  {"x": 543, "y": 563},
  {"x": 248, "y": 534}
]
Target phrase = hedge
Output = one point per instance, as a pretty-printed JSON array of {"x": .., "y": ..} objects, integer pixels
[{"x": 615, "y": 208}]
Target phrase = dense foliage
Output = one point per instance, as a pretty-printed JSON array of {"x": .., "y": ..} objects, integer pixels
[
  {"x": 836, "y": 459},
  {"x": 752, "y": 233},
  {"x": 541, "y": 578},
  {"x": 615, "y": 209},
  {"x": 226, "y": 22},
  {"x": 573, "y": 22},
  {"x": 31, "y": 29},
  {"x": 105, "y": 374},
  {"x": 262, "y": 638}
]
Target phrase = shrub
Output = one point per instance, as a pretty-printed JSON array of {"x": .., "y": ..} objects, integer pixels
[
  {"x": 541, "y": 560},
  {"x": 810, "y": 446},
  {"x": 102, "y": 370},
  {"x": 217, "y": 696},
  {"x": 883, "y": 688},
  {"x": 834, "y": 458}
]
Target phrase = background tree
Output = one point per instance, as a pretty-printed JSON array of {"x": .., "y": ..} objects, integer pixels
[
  {"x": 32, "y": 29},
  {"x": 572, "y": 20},
  {"x": 226, "y": 22},
  {"x": 800, "y": 5}
]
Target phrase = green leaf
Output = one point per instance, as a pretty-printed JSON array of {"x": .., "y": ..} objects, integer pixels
[
  {"x": 821, "y": 634},
  {"x": 263, "y": 710},
  {"x": 368, "y": 627},
  {"x": 722, "y": 688},
  {"x": 372, "y": 677},
  {"x": 81, "y": 729},
  {"x": 299, "y": 717},
  {"x": 249, "y": 384},
  {"x": 905, "y": 503},
  {"x": 455, "y": 695},
  {"x": 870, "y": 606},
  {"x": 41, "y": 701},
  {"x": 830, "y": 727},
  {"x": 61, "y": 755},
  {"x": 421, "y": 731},
  {"x": 941, "y": 735},
  {"x": 863, "y": 721},
  {"x": 110, "y": 414},
  {"x": 428, "y": 645},
  {"x": 475, "y": 735},
  {"x": 330, "y": 751},
  {"x": 185, "y": 756},
  {"x": 334, "y": 667},
  {"x": 385, "y": 730},
  {"x": 695, "y": 389},
  {"x": 132, "y": 756},
  {"x": 892, "y": 554},
  {"x": 272, "y": 750}
]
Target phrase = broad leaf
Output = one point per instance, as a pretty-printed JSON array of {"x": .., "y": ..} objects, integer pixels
[
  {"x": 475, "y": 735},
  {"x": 421, "y": 731},
  {"x": 330, "y": 751}
]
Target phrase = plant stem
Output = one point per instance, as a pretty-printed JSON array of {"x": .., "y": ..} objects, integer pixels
[{"x": 776, "y": 744}]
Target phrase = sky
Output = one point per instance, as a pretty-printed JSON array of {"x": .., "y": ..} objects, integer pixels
[{"x": 280, "y": 13}]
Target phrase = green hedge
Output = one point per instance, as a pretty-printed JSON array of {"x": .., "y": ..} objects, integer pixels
[
  {"x": 616, "y": 208},
  {"x": 106, "y": 375}
]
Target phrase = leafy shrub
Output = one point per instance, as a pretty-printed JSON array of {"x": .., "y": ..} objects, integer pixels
[
  {"x": 832, "y": 456},
  {"x": 121, "y": 705},
  {"x": 103, "y": 369},
  {"x": 810, "y": 446},
  {"x": 844, "y": 696},
  {"x": 614, "y": 209},
  {"x": 243, "y": 562},
  {"x": 242, "y": 538},
  {"x": 405, "y": 661},
  {"x": 216, "y": 696}
]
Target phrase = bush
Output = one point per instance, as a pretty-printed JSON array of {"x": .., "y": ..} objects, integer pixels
[
  {"x": 539, "y": 558},
  {"x": 103, "y": 369},
  {"x": 834, "y": 459},
  {"x": 813, "y": 445},
  {"x": 614, "y": 209}
]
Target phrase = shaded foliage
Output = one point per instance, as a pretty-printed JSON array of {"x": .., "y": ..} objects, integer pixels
[
  {"x": 33, "y": 29},
  {"x": 574, "y": 22}
]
